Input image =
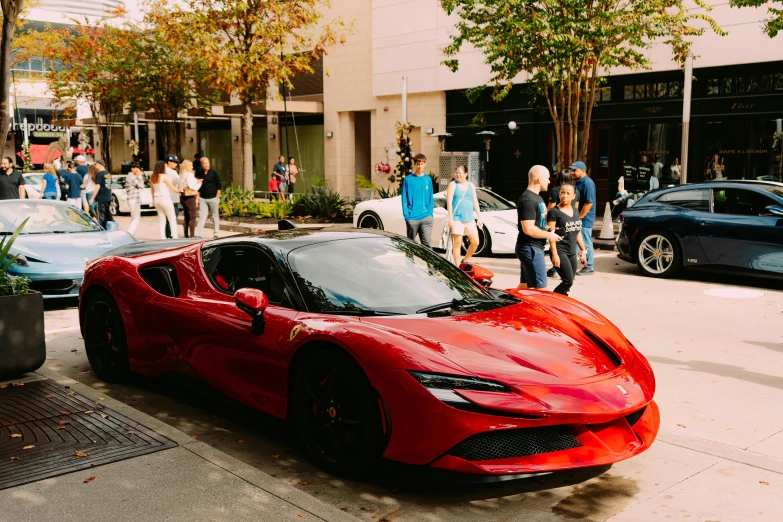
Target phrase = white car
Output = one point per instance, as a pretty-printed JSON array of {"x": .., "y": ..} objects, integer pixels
[
  {"x": 119, "y": 198},
  {"x": 32, "y": 184},
  {"x": 499, "y": 216}
]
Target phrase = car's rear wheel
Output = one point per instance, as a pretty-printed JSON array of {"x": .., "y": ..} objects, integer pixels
[
  {"x": 658, "y": 255},
  {"x": 484, "y": 246},
  {"x": 114, "y": 206},
  {"x": 104, "y": 338},
  {"x": 336, "y": 414},
  {"x": 370, "y": 220}
]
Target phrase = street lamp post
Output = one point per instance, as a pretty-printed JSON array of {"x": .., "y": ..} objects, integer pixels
[{"x": 686, "y": 116}]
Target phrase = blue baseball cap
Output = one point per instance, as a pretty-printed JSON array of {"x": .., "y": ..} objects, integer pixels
[{"x": 578, "y": 165}]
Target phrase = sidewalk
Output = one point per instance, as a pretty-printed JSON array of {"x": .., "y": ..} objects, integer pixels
[{"x": 188, "y": 480}]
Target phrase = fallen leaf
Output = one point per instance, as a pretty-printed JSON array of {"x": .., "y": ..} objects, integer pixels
[
  {"x": 14, "y": 458},
  {"x": 104, "y": 416},
  {"x": 131, "y": 433},
  {"x": 61, "y": 427},
  {"x": 240, "y": 441},
  {"x": 195, "y": 436},
  {"x": 6, "y": 385},
  {"x": 73, "y": 351},
  {"x": 80, "y": 453},
  {"x": 714, "y": 381},
  {"x": 31, "y": 446},
  {"x": 681, "y": 425},
  {"x": 764, "y": 482},
  {"x": 90, "y": 411},
  {"x": 50, "y": 397},
  {"x": 70, "y": 394},
  {"x": 89, "y": 479},
  {"x": 64, "y": 413},
  {"x": 729, "y": 429},
  {"x": 18, "y": 384},
  {"x": 301, "y": 514},
  {"x": 64, "y": 422},
  {"x": 100, "y": 398},
  {"x": 304, "y": 483},
  {"x": 16, "y": 435},
  {"x": 275, "y": 456}
]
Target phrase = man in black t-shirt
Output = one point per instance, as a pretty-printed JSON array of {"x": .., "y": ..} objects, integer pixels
[
  {"x": 209, "y": 202},
  {"x": 533, "y": 235},
  {"x": 645, "y": 172},
  {"x": 11, "y": 181},
  {"x": 101, "y": 196}
]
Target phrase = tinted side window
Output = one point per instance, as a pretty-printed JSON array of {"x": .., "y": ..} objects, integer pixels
[
  {"x": 741, "y": 202},
  {"x": 695, "y": 199}
]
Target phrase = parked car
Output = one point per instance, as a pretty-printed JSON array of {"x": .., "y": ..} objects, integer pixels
[
  {"x": 32, "y": 184},
  {"x": 119, "y": 198},
  {"x": 56, "y": 243},
  {"x": 729, "y": 225},
  {"x": 499, "y": 216},
  {"x": 372, "y": 346}
]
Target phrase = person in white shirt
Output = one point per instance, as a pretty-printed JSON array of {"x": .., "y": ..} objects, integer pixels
[
  {"x": 162, "y": 188},
  {"x": 172, "y": 162},
  {"x": 189, "y": 198},
  {"x": 676, "y": 169}
]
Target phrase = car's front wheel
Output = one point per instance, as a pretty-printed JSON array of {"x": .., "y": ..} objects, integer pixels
[
  {"x": 336, "y": 414},
  {"x": 104, "y": 338},
  {"x": 484, "y": 246},
  {"x": 114, "y": 206},
  {"x": 370, "y": 220},
  {"x": 658, "y": 255}
]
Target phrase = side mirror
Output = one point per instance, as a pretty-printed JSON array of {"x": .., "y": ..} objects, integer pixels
[
  {"x": 253, "y": 302},
  {"x": 111, "y": 226},
  {"x": 774, "y": 210}
]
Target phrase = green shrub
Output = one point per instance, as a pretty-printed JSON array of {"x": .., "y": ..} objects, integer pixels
[
  {"x": 318, "y": 182},
  {"x": 365, "y": 183},
  {"x": 234, "y": 200},
  {"x": 274, "y": 209},
  {"x": 324, "y": 205},
  {"x": 386, "y": 193},
  {"x": 11, "y": 285}
]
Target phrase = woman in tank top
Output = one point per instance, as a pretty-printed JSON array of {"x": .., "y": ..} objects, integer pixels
[
  {"x": 462, "y": 204},
  {"x": 161, "y": 199}
]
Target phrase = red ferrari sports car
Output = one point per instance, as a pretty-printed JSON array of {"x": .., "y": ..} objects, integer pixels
[{"x": 375, "y": 347}]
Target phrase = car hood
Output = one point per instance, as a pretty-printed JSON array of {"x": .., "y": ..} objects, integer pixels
[
  {"x": 528, "y": 343},
  {"x": 69, "y": 248}
]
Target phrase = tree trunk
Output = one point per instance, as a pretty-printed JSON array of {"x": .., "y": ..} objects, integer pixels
[
  {"x": 247, "y": 146},
  {"x": 11, "y": 11}
]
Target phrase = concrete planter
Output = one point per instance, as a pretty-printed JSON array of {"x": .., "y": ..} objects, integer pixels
[
  {"x": 22, "y": 340},
  {"x": 366, "y": 193}
]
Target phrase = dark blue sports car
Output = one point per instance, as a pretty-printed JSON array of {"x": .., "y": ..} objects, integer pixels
[{"x": 730, "y": 225}]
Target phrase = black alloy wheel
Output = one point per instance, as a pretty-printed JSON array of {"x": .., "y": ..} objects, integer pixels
[
  {"x": 370, "y": 220},
  {"x": 484, "y": 246},
  {"x": 336, "y": 414},
  {"x": 114, "y": 206},
  {"x": 104, "y": 338}
]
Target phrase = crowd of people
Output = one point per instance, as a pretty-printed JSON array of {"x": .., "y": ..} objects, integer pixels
[{"x": 195, "y": 189}]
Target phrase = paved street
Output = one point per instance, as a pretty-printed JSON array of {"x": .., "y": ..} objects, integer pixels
[{"x": 718, "y": 361}]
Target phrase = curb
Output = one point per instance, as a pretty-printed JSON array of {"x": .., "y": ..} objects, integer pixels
[{"x": 257, "y": 478}]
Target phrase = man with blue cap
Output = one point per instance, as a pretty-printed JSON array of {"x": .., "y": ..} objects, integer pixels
[{"x": 586, "y": 188}]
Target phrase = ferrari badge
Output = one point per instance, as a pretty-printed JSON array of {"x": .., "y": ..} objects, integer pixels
[{"x": 294, "y": 332}]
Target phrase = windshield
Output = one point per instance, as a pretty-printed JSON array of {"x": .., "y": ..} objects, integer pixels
[
  {"x": 489, "y": 202},
  {"x": 774, "y": 190},
  {"x": 118, "y": 182},
  {"x": 384, "y": 274},
  {"x": 45, "y": 218}
]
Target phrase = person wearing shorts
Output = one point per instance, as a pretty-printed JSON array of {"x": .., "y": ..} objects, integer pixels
[
  {"x": 533, "y": 234},
  {"x": 463, "y": 207}
]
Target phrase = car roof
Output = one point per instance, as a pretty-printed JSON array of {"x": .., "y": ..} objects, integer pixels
[
  {"x": 721, "y": 184},
  {"x": 288, "y": 240}
]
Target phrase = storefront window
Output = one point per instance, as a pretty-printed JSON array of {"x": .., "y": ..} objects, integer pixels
[
  {"x": 662, "y": 140},
  {"x": 744, "y": 149}
]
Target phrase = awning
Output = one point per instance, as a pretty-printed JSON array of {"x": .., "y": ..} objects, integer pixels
[{"x": 38, "y": 154}]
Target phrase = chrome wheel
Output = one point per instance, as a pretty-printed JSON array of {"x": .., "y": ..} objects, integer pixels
[
  {"x": 114, "y": 206},
  {"x": 657, "y": 255},
  {"x": 370, "y": 220},
  {"x": 483, "y": 243}
]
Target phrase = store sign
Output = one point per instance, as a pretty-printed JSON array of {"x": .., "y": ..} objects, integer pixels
[
  {"x": 743, "y": 151},
  {"x": 48, "y": 134},
  {"x": 45, "y": 127}
]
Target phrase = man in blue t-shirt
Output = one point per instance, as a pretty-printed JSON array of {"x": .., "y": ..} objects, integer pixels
[
  {"x": 418, "y": 202},
  {"x": 586, "y": 188},
  {"x": 73, "y": 184}
]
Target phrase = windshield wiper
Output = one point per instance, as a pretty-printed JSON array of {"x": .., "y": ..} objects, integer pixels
[
  {"x": 454, "y": 303},
  {"x": 362, "y": 312}
]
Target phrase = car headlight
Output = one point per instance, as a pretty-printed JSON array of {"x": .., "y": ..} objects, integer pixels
[
  {"x": 21, "y": 260},
  {"x": 443, "y": 386}
]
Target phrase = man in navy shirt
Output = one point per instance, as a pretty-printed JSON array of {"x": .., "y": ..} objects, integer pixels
[
  {"x": 418, "y": 202},
  {"x": 586, "y": 188}
]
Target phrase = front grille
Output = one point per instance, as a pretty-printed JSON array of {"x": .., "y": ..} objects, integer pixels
[
  {"x": 504, "y": 444},
  {"x": 53, "y": 286},
  {"x": 634, "y": 417}
]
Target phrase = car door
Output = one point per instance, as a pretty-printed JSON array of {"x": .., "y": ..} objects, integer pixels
[
  {"x": 223, "y": 351},
  {"x": 740, "y": 232}
]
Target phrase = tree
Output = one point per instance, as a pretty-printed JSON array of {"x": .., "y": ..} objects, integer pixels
[
  {"x": 89, "y": 62},
  {"x": 565, "y": 45},
  {"x": 12, "y": 9},
  {"x": 772, "y": 25},
  {"x": 247, "y": 46}
]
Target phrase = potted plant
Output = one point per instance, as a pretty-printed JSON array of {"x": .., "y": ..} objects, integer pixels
[
  {"x": 366, "y": 187},
  {"x": 318, "y": 185},
  {"x": 22, "y": 341}
]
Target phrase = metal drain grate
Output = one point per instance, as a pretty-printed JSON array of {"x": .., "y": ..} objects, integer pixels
[{"x": 58, "y": 423}]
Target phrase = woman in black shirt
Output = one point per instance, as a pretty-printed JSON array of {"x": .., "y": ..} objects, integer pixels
[{"x": 564, "y": 219}]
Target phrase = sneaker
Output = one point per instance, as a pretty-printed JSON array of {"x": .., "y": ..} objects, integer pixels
[{"x": 585, "y": 271}]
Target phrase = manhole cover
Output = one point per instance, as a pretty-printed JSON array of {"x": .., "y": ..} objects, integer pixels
[
  {"x": 733, "y": 293},
  {"x": 58, "y": 423}
]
